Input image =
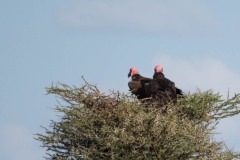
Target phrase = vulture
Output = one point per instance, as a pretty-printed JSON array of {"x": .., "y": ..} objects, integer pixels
[
  {"x": 158, "y": 73},
  {"x": 138, "y": 84},
  {"x": 159, "y": 87},
  {"x": 163, "y": 88}
]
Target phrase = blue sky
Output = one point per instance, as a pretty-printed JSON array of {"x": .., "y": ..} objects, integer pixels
[{"x": 45, "y": 41}]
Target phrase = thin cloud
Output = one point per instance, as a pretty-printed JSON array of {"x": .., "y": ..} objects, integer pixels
[
  {"x": 203, "y": 74},
  {"x": 139, "y": 15}
]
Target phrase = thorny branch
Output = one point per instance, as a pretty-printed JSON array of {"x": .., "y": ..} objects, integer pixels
[{"x": 115, "y": 125}]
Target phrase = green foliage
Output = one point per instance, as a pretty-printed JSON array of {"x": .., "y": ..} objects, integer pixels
[{"x": 118, "y": 126}]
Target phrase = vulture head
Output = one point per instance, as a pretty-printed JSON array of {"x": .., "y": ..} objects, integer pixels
[
  {"x": 158, "y": 69},
  {"x": 132, "y": 71}
]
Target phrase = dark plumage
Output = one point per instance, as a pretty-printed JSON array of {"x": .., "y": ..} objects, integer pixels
[
  {"x": 163, "y": 89},
  {"x": 158, "y": 73},
  {"x": 179, "y": 91},
  {"x": 139, "y": 84},
  {"x": 159, "y": 88}
]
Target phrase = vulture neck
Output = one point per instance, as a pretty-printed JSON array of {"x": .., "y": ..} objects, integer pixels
[
  {"x": 158, "y": 75},
  {"x": 136, "y": 77}
]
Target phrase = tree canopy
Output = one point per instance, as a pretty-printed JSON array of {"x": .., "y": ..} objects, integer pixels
[{"x": 96, "y": 125}]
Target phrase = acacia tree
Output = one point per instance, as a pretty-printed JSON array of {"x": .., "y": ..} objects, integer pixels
[{"x": 95, "y": 125}]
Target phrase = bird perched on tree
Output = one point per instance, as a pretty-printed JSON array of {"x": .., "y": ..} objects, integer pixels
[
  {"x": 161, "y": 87},
  {"x": 158, "y": 71},
  {"x": 138, "y": 84}
]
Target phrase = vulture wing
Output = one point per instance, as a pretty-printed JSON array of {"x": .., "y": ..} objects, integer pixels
[
  {"x": 179, "y": 91},
  {"x": 134, "y": 85},
  {"x": 163, "y": 88},
  {"x": 139, "y": 86}
]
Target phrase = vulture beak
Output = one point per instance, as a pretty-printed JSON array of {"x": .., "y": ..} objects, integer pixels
[{"x": 129, "y": 74}]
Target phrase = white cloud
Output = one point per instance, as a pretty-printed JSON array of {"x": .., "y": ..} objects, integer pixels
[
  {"x": 206, "y": 74},
  {"x": 203, "y": 74},
  {"x": 139, "y": 15},
  {"x": 17, "y": 143}
]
